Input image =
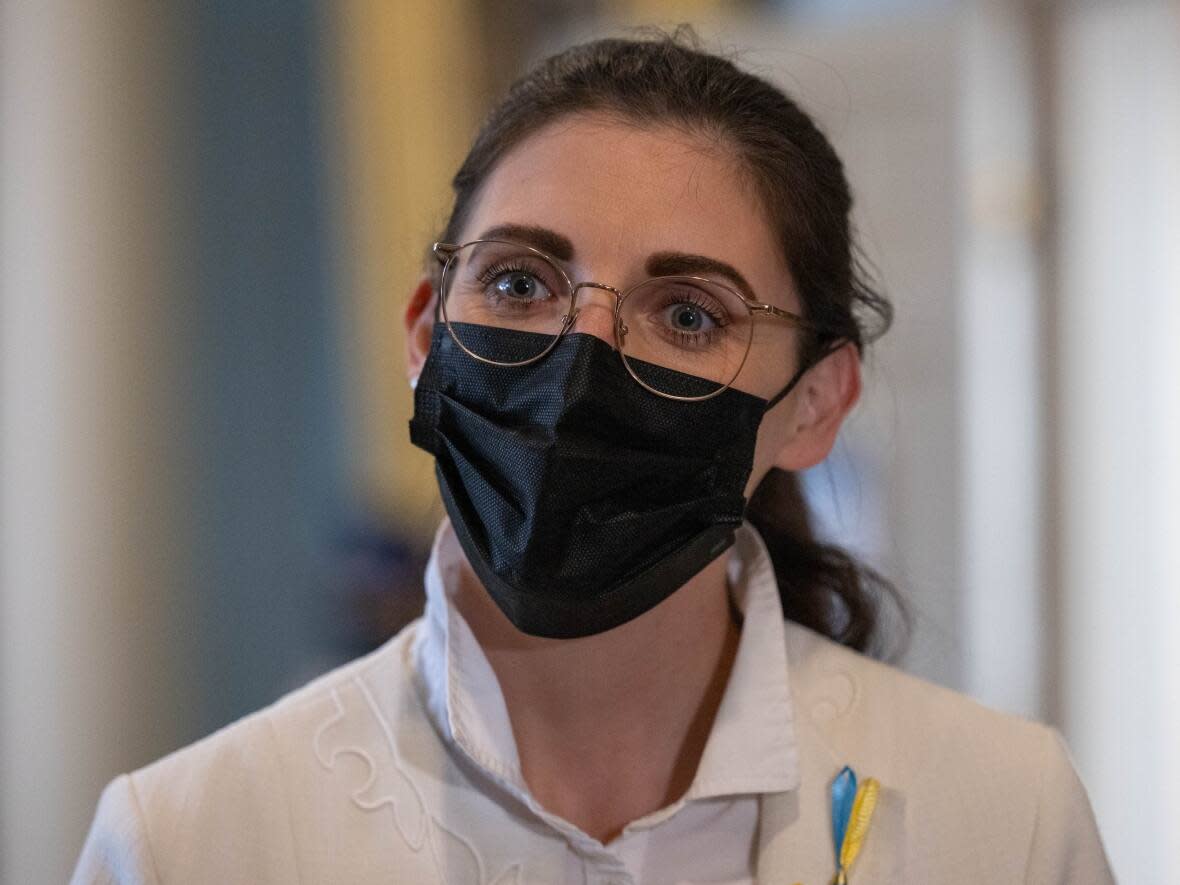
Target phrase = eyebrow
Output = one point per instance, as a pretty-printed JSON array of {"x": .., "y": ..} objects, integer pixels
[
  {"x": 659, "y": 264},
  {"x": 531, "y": 235},
  {"x": 663, "y": 264}
]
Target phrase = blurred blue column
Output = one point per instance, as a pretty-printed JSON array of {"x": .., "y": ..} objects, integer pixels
[{"x": 267, "y": 375}]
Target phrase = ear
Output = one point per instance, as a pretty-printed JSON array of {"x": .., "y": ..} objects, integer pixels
[
  {"x": 419, "y": 321},
  {"x": 818, "y": 407}
]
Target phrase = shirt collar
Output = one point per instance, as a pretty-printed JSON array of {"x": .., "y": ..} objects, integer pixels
[{"x": 750, "y": 749}]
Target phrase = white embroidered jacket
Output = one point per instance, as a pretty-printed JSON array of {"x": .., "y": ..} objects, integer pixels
[{"x": 349, "y": 779}]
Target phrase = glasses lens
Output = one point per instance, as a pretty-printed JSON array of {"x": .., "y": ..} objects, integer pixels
[
  {"x": 675, "y": 327},
  {"x": 491, "y": 284}
]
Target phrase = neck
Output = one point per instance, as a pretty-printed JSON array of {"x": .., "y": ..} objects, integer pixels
[{"x": 608, "y": 727}]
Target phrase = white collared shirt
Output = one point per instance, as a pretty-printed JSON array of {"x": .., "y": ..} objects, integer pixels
[{"x": 708, "y": 835}]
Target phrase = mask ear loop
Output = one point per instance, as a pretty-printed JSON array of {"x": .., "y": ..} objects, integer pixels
[{"x": 803, "y": 370}]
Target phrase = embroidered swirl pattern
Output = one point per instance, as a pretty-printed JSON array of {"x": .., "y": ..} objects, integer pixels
[{"x": 454, "y": 857}]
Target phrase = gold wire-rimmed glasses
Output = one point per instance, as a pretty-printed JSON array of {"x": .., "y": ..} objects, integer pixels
[{"x": 665, "y": 328}]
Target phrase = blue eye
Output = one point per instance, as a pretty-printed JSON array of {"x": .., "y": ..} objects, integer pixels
[
  {"x": 685, "y": 317},
  {"x": 519, "y": 285}
]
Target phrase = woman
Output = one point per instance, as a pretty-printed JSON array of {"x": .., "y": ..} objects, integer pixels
[{"x": 643, "y": 314}]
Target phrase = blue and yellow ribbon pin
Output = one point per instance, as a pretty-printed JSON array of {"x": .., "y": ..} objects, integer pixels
[{"x": 852, "y": 809}]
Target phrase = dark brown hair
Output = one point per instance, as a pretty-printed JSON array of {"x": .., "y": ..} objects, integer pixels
[{"x": 667, "y": 79}]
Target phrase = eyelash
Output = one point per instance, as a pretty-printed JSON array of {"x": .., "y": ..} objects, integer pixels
[
  {"x": 719, "y": 320},
  {"x": 500, "y": 268}
]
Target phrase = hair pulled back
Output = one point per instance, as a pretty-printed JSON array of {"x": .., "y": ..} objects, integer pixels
[{"x": 667, "y": 79}]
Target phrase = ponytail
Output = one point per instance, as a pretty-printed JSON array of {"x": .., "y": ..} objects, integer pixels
[{"x": 821, "y": 585}]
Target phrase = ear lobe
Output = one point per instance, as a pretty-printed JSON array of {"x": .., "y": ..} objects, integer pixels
[
  {"x": 419, "y": 322},
  {"x": 825, "y": 396}
]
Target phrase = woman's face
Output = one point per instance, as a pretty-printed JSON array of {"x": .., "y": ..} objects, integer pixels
[{"x": 619, "y": 193}]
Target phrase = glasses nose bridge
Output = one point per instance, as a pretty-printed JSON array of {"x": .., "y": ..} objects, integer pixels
[
  {"x": 590, "y": 284},
  {"x": 615, "y": 323}
]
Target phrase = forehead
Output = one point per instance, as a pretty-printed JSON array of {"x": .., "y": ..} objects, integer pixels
[{"x": 620, "y": 192}]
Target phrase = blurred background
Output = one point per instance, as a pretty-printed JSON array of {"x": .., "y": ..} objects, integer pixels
[{"x": 211, "y": 216}]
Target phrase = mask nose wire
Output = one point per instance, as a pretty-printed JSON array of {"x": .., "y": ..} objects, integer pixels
[{"x": 619, "y": 332}]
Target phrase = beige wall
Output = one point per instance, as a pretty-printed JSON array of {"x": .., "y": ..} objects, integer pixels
[{"x": 93, "y": 641}]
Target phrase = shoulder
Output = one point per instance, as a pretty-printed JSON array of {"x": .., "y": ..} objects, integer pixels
[
  {"x": 248, "y": 745},
  {"x": 907, "y": 729},
  {"x": 238, "y": 788},
  {"x": 993, "y": 784},
  {"x": 839, "y": 686}
]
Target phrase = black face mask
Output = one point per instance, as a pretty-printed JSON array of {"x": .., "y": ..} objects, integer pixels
[{"x": 581, "y": 499}]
